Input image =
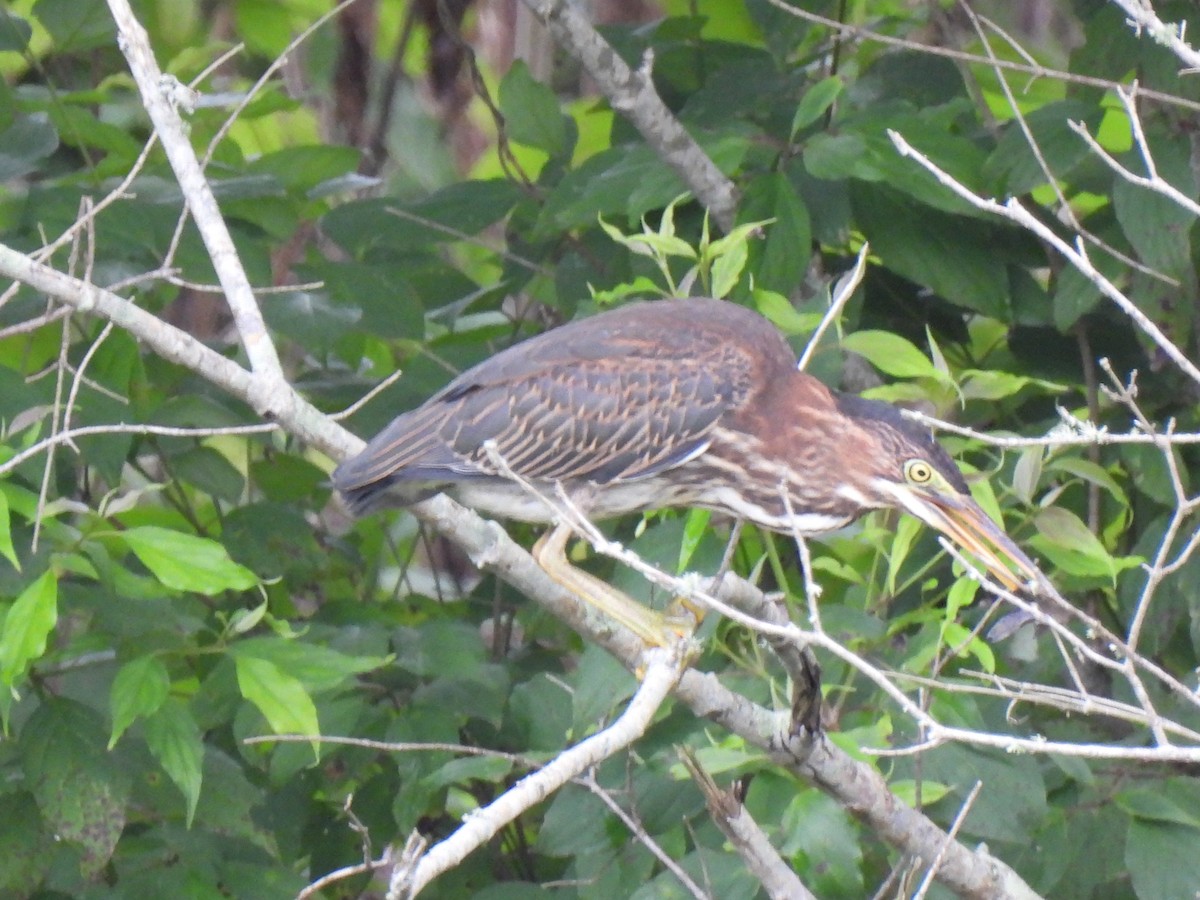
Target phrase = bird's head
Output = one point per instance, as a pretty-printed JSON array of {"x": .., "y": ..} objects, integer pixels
[{"x": 903, "y": 467}]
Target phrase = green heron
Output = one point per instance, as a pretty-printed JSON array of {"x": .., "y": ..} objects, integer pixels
[{"x": 692, "y": 403}]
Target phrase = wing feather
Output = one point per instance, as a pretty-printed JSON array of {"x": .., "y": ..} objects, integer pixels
[{"x": 621, "y": 396}]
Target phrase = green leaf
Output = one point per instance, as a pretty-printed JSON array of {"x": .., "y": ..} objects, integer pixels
[
  {"x": 722, "y": 758},
  {"x": 174, "y": 738},
  {"x": 1061, "y": 530},
  {"x": 464, "y": 208},
  {"x": 82, "y": 128},
  {"x": 531, "y": 113},
  {"x": 726, "y": 257},
  {"x": 185, "y": 562},
  {"x": 304, "y": 168},
  {"x": 317, "y": 668},
  {"x": 891, "y": 354},
  {"x": 639, "y": 287},
  {"x": 441, "y": 648},
  {"x": 29, "y": 622},
  {"x": 246, "y": 620},
  {"x": 210, "y": 471},
  {"x": 15, "y": 32},
  {"x": 815, "y": 826},
  {"x": 961, "y": 594},
  {"x": 139, "y": 689},
  {"x": 1089, "y": 472},
  {"x": 1157, "y": 226},
  {"x": 1162, "y": 860},
  {"x": 780, "y": 259},
  {"x": 1075, "y": 294},
  {"x": 907, "y": 530},
  {"x": 1013, "y": 794},
  {"x": 650, "y": 243},
  {"x": 1014, "y": 168},
  {"x": 833, "y": 157},
  {"x": 281, "y": 698},
  {"x": 727, "y": 269},
  {"x": 779, "y": 310},
  {"x": 625, "y": 180},
  {"x": 935, "y": 353},
  {"x": 906, "y": 790},
  {"x": 80, "y": 789},
  {"x": 6, "y": 542},
  {"x": 739, "y": 235},
  {"x": 388, "y": 305},
  {"x": 815, "y": 102},
  {"x": 1153, "y": 806},
  {"x": 470, "y": 768},
  {"x": 694, "y": 529},
  {"x": 601, "y": 683},
  {"x": 955, "y": 256},
  {"x": 76, "y": 25},
  {"x": 287, "y": 478},
  {"x": 265, "y": 25},
  {"x": 24, "y": 144},
  {"x": 1028, "y": 472},
  {"x": 991, "y": 385},
  {"x": 26, "y": 846},
  {"x": 959, "y": 638}
]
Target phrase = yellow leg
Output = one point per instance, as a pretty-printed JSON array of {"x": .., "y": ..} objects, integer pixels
[{"x": 651, "y": 626}]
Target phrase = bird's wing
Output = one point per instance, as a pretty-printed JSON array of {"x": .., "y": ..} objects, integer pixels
[
  {"x": 615, "y": 415},
  {"x": 622, "y": 395},
  {"x": 605, "y": 419}
]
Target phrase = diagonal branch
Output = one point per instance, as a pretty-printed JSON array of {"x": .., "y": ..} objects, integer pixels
[
  {"x": 632, "y": 94},
  {"x": 271, "y": 398},
  {"x": 161, "y": 96},
  {"x": 1143, "y": 18},
  {"x": 747, "y": 837},
  {"x": 1074, "y": 253},
  {"x": 662, "y": 673}
]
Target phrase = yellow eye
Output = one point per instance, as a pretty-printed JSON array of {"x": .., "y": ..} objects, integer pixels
[{"x": 918, "y": 471}]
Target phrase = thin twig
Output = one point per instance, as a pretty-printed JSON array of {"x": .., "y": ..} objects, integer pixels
[
  {"x": 588, "y": 780},
  {"x": 950, "y": 836},
  {"x": 1074, "y": 253},
  {"x": 842, "y": 292},
  {"x": 1032, "y": 69},
  {"x": 748, "y": 839},
  {"x": 663, "y": 670},
  {"x": 161, "y": 97}
]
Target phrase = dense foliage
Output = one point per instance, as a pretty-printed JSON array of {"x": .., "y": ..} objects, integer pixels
[{"x": 176, "y": 577}]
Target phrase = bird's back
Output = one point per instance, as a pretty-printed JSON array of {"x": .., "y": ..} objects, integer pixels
[{"x": 615, "y": 397}]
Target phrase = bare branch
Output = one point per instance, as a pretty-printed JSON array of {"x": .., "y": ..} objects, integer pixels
[
  {"x": 588, "y": 780},
  {"x": 842, "y": 292},
  {"x": 272, "y": 399},
  {"x": 1143, "y": 18},
  {"x": 632, "y": 94},
  {"x": 161, "y": 96},
  {"x": 748, "y": 839},
  {"x": 954, "y": 826},
  {"x": 663, "y": 671},
  {"x": 1072, "y": 432},
  {"x": 1032, "y": 69},
  {"x": 1074, "y": 253},
  {"x": 1151, "y": 182},
  {"x": 1063, "y": 208},
  {"x": 373, "y": 865}
]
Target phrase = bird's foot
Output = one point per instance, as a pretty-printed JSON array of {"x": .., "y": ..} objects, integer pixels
[
  {"x": 684, "y": 616},
  {"x": 679, "y": 645}
]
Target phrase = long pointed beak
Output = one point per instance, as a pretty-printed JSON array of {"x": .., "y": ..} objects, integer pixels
[{"x": 963, "y": 521}]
